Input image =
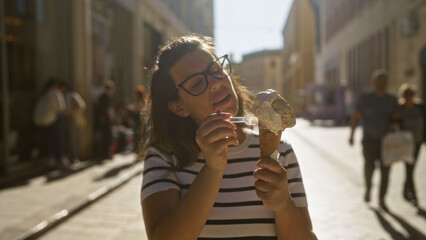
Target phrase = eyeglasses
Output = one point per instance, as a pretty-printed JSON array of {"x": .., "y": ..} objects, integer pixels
[{"x": 197, "y": 83}]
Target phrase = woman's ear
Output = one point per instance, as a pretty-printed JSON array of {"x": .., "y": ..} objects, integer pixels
[{"x": 177, "y": 108}]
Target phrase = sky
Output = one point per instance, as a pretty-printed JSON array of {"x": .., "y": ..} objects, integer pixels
[{"x": 246, "y": 26}]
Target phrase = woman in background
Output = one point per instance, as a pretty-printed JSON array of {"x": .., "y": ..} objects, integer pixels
[{"x": 411, "y": 119}]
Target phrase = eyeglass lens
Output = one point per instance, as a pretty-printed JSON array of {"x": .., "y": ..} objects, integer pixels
[{"x": 197, "y": 84}]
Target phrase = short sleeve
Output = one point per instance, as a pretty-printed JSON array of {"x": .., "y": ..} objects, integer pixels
[
  {"x": 157, "y": 175},
  {"x": 295, "y": 182},
  {"x": 78, "y": 101},
  {"x": 59, "y": 101}
]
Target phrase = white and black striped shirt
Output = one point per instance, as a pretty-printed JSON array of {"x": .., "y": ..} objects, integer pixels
[{"x": 237, "y": 213}]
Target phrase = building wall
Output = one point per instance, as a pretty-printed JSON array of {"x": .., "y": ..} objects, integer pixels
[
  {"x": 262, "y": 70},
  {"x": 367, "y": 35},
  {"x": 273, "y": 71},
  {"x": 298, "y": 53},
  {"x": 198, "y": 16},
  {"x": 252, "y": 72},
  {"x": 81, "y": 65},
  {"x": 166, "y": 19},
  {"x": 84, "y": 42},
  {"x": 37, "y": 39},
  {"x": 112, "y": 46}
]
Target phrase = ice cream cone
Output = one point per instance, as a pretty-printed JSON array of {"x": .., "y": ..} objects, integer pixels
[
  {"x": 269, "y": 142},
  {"x": 274, "y": 114}
]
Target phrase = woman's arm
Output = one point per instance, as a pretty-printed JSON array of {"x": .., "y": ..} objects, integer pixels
[
  {"x": 294, "y": 223},
  {"x": 271, "y": 185},
  {"x": 168, "y": 217}
]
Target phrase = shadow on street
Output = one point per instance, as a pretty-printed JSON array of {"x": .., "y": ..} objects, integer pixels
[
  {"x": 413, "y": 233},
  {"x": 421, "y": 212},
  {"x": 18, "y": 183},
  {"x": 113, "y": 172},
  {"x": 64, "y": 172}
]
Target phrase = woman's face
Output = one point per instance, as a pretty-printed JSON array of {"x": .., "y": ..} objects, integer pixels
[
  {"x": 219, "y": 93},
  {"x": 409, "y": 95}
]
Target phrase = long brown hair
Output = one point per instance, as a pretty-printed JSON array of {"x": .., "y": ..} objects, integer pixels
[{"x": 171, "y": 133}]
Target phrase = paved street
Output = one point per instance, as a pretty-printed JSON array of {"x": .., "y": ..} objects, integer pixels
[
  {"x": 116, "y": 217},
  {"x": 332, "y": 172},
  {"x": 52, "y": 197}
]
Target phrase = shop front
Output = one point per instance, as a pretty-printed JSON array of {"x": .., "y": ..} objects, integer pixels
[
  {"x": 34, "y": 48},
  {"x": 79, "y": 42}
]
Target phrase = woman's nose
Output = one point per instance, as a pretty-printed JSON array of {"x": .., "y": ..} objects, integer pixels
[{"x": 214, "y": 83}]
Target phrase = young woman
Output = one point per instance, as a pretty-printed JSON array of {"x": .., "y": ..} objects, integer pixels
[{"x": 203, "y": 177}]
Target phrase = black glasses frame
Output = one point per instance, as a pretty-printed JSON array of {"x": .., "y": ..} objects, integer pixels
[{"x": 205, "y": 73}]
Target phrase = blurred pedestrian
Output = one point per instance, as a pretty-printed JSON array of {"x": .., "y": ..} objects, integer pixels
[
  {"x": 411, "y": 116},
  {"x": 73, "y": 119},
  {"x": 104, "y": 119},
  {"x": 198, "y": 180},
  {"x": 376, "y": 111},
  {"x": 122, "y": 134},
  {"x": 138, "y": 115},
  {"x": 48, "y": 115}
]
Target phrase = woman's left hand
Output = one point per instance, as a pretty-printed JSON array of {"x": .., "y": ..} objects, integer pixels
[{"x": 271, "y": 184}]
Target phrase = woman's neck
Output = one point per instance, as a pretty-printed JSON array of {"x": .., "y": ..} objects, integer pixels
[{"x": 409, "y": 103}]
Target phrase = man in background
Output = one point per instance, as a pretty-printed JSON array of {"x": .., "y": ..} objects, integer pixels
[
  {"x": 375, "y": 110},
  {"x": 104, "y": 118}
]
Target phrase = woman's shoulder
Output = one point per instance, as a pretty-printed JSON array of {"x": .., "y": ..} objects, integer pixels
[
  {"x": 157, "y": 153},
  {"x": 285, "y": 147}
]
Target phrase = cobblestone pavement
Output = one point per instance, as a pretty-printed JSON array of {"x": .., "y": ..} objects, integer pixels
[{"x": 332, "y": 172}]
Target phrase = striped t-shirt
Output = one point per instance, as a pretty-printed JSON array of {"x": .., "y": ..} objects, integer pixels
[{"x": 237, "y": 212}]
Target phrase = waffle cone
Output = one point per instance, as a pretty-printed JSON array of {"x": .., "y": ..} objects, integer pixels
[{"x": 269, "y": 142}]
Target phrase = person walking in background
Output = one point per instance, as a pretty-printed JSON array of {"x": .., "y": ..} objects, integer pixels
[
  {"x": 376, "y": 111},
  {"x": 48, "y": 115},
  {"x": 202, "y": 174},
  {"x": 411, "y": 118},
  {"x": 122, "y": 134},
  {"x": 104, "y": 119},
  {"x": 137, "y": 116},
  {"x": 73, "y": 118}
]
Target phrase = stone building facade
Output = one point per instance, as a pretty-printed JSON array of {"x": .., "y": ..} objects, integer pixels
[
  {"x": 262, "y": 70},
  {"x": 299, "y": 54},
  {"x": 82, "y": 42},
  {"x": 357, "y": 37}
]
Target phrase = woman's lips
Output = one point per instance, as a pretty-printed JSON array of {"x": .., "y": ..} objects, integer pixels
[{"x": 220, "y": 98}]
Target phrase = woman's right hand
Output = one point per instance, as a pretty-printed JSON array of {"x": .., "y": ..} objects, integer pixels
[{"x": 214, "y": 136}]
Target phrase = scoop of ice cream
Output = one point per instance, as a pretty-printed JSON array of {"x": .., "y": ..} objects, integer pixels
[
  {"x": 273, "y": 111},
  {"x": 281, "y": 106}
]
